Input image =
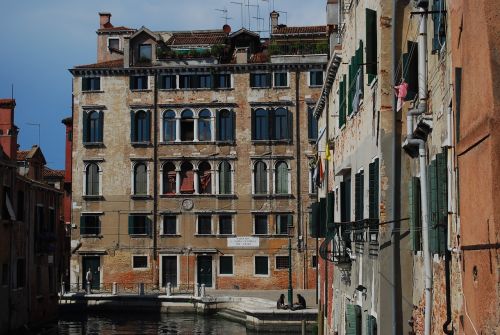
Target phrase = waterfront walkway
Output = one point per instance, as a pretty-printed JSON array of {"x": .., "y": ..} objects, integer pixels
[{"x": 254, "y": 308}]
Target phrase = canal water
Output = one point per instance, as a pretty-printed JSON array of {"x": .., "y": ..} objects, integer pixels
[{"x": 146, "y": 323}]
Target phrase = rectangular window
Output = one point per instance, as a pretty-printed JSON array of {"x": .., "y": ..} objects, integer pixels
[
  {"x": 312, "y": 124},
  {"x": 371, "y": 44},
  {"x": 342, "y": 94},
  {"x": 282, "y": 262},
  {"x": 140, "y": 262},
  {"x": 145, "y": 53},
  {"x": 168, "y": 82},
  {"x": 226, "y": 265},
  {"x": 139, "y": 82},
  {"x": 204, "y": 225},
  {"x": 316, "y": 78},
  {"x": 314, "y": 261},
  {"x": 359, "y": 205},
  {"x": 5, "y": 274},
  {"x": 272, "y": 124},
  {"x": 91, "y": 84},
  {"x": 225, "y": 225},
  {"x": 222, "y": 80},
  {"x": 283, "y": 221},
  {"x": 169, "y": 224},
  {"x": 260, "y": 225},
  {"x": 373, "y": 206},
  {"x": 280, "y": 79},
  {"x": 93, "y": 126},
  {"x": 90, "y": 225},
  {"x": 20, "y": 273},
  {"x": 205, "y": 81},
  {"x": 225, "y": 125},
  {"x": 260, "y": 80},
  {"x": 345, "y": 199},
  {"x": 410, "y": 70},
  {"x": 439, "y": 23},
  {"x": 261, "y": 265},
  {"x": 138, "y": 225},
  {"x": 114, "y": 44}
]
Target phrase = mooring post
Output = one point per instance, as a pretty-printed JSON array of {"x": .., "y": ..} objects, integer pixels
[
  {"x": 114, "y": 288},
  {"x": 202, "y": 290},
  {"x": 169, "y": 289}
]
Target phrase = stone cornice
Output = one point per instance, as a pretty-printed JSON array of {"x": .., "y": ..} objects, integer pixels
[{"x": 233, "y": 68}]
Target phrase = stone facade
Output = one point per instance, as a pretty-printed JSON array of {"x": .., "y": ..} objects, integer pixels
[{"x": 198, "y": 158}]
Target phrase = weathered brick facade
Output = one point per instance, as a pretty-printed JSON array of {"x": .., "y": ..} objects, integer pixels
[{"x": 182, "y": 158}]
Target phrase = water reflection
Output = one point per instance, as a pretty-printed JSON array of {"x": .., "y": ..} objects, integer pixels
[{"x": 150, "y": 323}]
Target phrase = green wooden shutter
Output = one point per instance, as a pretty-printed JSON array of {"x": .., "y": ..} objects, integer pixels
[
  {"x": 439, "y": 24},
  {"x": 353, "y": 320},
  {"x": 442, "y": 203},
  {"x": 329, "y": 209},
  {"x": 133, "y": 137},
  {"x": 147, "y": 131},
  {"x": 415, "y": 214},
  {"x": 371, "y": 44},
  {"x": 83, "y": 224},
  {"x": 233, "y": 124},
  {"x": 218, "y": 125},
  {"x": 131, "y": 230},
  {"x": 342, "y": 115},
  {"x": 433, "y": 238},
  {"x": 371, "y": 325},
  {"x": 85, "y": 126},
  {"x": 100, "y": 128},
  {"x": 350, "y": 87},
  {"x": 149, "y": 225}
]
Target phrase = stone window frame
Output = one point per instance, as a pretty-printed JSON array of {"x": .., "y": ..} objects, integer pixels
[
  {"x": 276, "y": 268},
  {"x": 86, "y": 164},
  {"x": 309, "y": 74},
  {"x": 162, "y": 226},
  {"x": 287, "y": 79},
  {"x": 255, "y": 266},
  {"x": 133, "y": 164},
  {"x": 198, "y": 215},
  {"x": 231, "y": 215},
  {"x": 232, "y": 274},
  {"x": 148, "y": 263}
]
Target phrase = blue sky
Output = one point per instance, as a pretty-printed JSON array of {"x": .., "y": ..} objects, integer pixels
[{"x": 41, "y": 40}]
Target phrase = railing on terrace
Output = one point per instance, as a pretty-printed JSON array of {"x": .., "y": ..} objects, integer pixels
[
  {"x": 275, "y": 49},
  {"x": 136, "y": 289}
]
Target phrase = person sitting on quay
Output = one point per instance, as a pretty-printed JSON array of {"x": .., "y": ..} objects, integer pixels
[
  {"x": 280, "y": 304},
  {"x": 301, "y": 304}
]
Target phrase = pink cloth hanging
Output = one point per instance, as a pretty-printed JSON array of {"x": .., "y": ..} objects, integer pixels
[{"x": 401, "y": 92}]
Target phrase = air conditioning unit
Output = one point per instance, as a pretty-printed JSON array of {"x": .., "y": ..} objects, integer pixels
[{"x": 421, "y": 3}]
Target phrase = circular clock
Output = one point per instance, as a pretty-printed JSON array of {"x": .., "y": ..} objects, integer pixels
[{"x": 187, "y": 204}]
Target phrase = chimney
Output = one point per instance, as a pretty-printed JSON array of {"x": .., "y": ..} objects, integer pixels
[
  {"x": 274, "y": 20},
  {"x": 105, "y": 20},
  {"x": 8, "y": 130}
]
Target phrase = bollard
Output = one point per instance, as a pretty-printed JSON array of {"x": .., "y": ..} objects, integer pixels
[
  {"x": 196, "y": 290},
  {"x": 202, "y": 293},
  {"x": 303, "y": 327},
  {"x": 88, "y": 287},
  {"x": 169, "y": 289},
  {"x": 62, "y": 289},
  {"x": 114, "y": 288},
  {"x": 141, "y": 288}
]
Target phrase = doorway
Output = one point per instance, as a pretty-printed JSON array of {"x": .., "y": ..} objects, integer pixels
[
  {"x": 204, "y": 270},
  {"x": 94, "y": 264},
  {"x": 169, "y": 270}
]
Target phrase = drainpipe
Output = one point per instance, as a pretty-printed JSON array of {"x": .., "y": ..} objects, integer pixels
[
  {"x": 156, "y": 276},
  {"x": 422, "y": 107},
  {"x": 395, "y": 182}
]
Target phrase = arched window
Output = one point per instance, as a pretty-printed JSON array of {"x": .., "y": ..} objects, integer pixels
[
  {"x": 187, "y": 178},
  {"x": 260, "y": 178},
  {"x": 204, "y": 125},
  {"x": 225, "y": 178},
  {"x": 92, "y": 179},
  {"x": 205, "y": 178},
  {"x": 280, "y": 124},
  {"x": 187, "y": 125},
  {"x": 169, "y": 178},
  {"x": 261, "y": 124},
  {"x": 140, "y": 126},
  {"x": 281, "y": 178},
  {"x": 169, "y": 126},
  {"x": 140, "y": 179},
  {"x": 92, "y": 126}
]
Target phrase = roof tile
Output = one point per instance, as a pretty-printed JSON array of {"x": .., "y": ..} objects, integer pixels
[
  {"x": 284, "y": 30},
  {"x": 198, "y": 38},
  {"x": 103, "y": 65}
]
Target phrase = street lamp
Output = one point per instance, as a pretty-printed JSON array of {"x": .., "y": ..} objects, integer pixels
[{"x": 290, "y": 287}]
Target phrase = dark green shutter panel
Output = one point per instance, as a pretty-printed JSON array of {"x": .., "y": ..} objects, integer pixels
[
  {"x": 149, "y": 225},
  {"x": 442, "y": 204},
  {"x": 233, "y": 123},
  {"x": 433, "y": 243},
  {"x": 289, "y": 131},
  {"x": 100, "y": 128},
  {"x": 85, "y": 135},
  {"x": 132, "y": 82},
  {"x": 329, "y": 209},
  {"x": 270, "y": 124},
  {"x": 131, "y": 225},
  {"x": 313, "y": 223},
  {"x": 340, "y": 104},
  {"x": 132, "y": 127},
  {"x": 353, "y": 320},
  {"x": 371, "y": 44},
  {"x": 83, "y": 224},
  {"x": 322, "y": 218},
  {"x": 98, "y": 84},
  {"x": 148, "y": 127},
  {"x": 350, "y": 87},
  {"x": 371, "y": 325},
  {"x": 85, "y": 84},
  {"x": 415, "y": 214}
]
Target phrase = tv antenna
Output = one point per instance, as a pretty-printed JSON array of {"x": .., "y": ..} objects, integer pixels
[
  {"x": 241, "y": 7},
  {"x": 248, "y": 6},
  {"x": 224, "y": 14},
  {"x": 286, "y": 15}
]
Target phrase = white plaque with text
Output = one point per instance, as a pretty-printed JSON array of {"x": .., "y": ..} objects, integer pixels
[{"x": 243, "y": 242}]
